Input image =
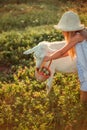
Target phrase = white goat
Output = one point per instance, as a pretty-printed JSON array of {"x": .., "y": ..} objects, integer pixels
[{"x": 64, "y": 64}]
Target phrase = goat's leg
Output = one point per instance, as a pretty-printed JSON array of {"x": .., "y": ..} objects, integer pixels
[{"x": 49, "y": 83}]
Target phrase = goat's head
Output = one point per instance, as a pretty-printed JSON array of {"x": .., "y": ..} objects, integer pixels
[{"x": 40, "y": 51}]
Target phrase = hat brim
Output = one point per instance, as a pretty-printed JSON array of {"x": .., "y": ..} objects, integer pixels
[{"x": 80, "y": 27}]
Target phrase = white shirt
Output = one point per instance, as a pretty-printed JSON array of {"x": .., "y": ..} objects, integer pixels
[{"x": 81, "y": 51}]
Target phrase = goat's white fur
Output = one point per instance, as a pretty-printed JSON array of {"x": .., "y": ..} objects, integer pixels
[{"x": 64, "y": 64}]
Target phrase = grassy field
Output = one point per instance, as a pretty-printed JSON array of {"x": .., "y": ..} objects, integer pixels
[
  {"x": 20, "y": 16},
  {"x": 24, "y": 104}
]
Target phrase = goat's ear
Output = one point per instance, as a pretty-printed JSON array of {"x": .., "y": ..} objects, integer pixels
[{"x": 30, "y": 50}]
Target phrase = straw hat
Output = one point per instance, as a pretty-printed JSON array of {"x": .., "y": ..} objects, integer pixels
[{"x": 70, "y": 21}]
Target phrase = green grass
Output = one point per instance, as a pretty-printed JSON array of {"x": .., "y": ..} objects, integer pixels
[
  {"x": 19, "y": 16},
  {"x": 24, "y": 104}
]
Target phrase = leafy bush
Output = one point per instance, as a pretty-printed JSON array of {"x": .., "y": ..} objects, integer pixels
[
  {"x": 13, "y": 44},
  {"x": 24, "y": 104},
  {"x": 15, "y": 16},
  {"x": 32, "y": 14}
]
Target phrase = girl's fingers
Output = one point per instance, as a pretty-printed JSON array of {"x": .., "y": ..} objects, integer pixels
[{"x": 46, "y": 58}]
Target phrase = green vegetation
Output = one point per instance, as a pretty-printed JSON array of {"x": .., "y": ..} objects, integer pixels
[
  {"x": 14, "y": 43},
  {"x": 24, "y": 104},
  {"x": 20, "y": 16}
]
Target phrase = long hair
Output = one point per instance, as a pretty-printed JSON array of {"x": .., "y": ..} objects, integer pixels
[{"x": 68, "y": 36}]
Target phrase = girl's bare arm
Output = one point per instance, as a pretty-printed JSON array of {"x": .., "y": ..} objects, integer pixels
[{"x": 76, "y": 39}]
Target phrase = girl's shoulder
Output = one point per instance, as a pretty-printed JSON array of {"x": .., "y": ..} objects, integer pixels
[{"x": 84, "y": 33}]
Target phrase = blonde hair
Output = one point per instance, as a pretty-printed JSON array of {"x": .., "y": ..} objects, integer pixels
[{"x": 68, "y": 36}]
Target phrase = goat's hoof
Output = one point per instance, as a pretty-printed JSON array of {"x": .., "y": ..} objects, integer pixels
[{"x": 48, "y": 89}]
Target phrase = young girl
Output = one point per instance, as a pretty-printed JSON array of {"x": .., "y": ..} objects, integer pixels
[{"x": 74, "y": 32}]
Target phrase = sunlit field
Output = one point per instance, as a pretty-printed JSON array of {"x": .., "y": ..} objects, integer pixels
[{"x": 24, "y": 104}]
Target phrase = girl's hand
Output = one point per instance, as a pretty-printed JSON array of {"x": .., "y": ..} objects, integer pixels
[
  {"x": 47, "y": 58},
  {"x": 77, "y": 38}
]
